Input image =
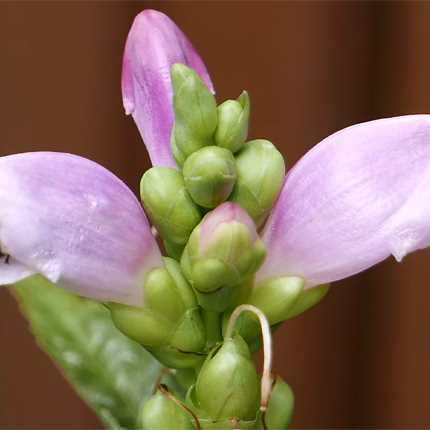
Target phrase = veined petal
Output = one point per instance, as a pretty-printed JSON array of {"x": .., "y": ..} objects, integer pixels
[
  {"x": 354, "y": 199},
  {"x": 75, "y": 223},
  {"x": 153, "y": 45}
]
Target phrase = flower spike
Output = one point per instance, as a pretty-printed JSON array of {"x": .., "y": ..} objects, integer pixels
[
  {"x": 77, "y": 224},
  {"x": 153, "y": 45},
  {"x": 354, "y": 199}
]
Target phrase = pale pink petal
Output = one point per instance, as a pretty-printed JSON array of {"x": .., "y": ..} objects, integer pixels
[
  {"x": 75, "y": 223},
  {"x": 227, "y": 212},
  {"x": 153, "y": 45},
  {"x": 357, "y": 197}
]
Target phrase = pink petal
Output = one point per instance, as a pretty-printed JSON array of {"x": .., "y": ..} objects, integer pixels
[
  {"x": 75, "y": 223},
  {"x": 153, "y": 45},
  {"x": 354, "y": 199},
  {"x": 225, "y": 213}
]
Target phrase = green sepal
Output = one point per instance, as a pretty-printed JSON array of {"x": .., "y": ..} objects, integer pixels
[
  {"x": 210, "y": 175},
  {"x": 233, "y": 123},
  {"x": 183, "y": 287},
  {"x": 173, "y": 250},
  {"x": 237, "y": 393},
  {"x": 168, "y": 204},
  {"x": 144, "y": 326},
  {"x": 175, "y": 359},
  {"x": 169, "y": 315},
  {"x": 275, "y": 297},
  {"x": 233, "y": 424},
  {"x": 113, "y": 374},
  {"x": 195, "y": 111},
  {"x": 308, "y": 298},
  {"x": 190, "y": 334},
  {"x": 161, "y": 412},
  {"x": 218, "y": 300},
  {"x": 207, "y": 423},
  {"x": 154, "y": 323},
  {"x": 178, "y": 155},
  {"x": 260, "y": 175}
]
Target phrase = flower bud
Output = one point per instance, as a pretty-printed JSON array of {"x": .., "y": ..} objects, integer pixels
[
  {"x": 228, "y": 384},
  {"x": 168, "y": 204},
  {"x": 169, "y": 316},
  {"x": 161, "y": 412},
  {"x": 233, "y": 122},
  {"x": 276, "y": 297},
  {"x": 281, "y": 406},
  {"x": 195, "y": 112},
  {"x": 260, "y": 175},
  {"x": 210, "y": 175},
  {"x": 279, "y": 299},
  {"x": 223, "y": 251}
]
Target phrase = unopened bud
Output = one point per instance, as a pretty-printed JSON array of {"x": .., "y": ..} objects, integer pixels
[
  {"x": 161, "y": 412},
  {"x": 276, "y": 297},
  {"x": 233, "y": 122},
  {"x": 279, "y": 299},
  {"x": 260, "y": 175},
  {"x": 281, "y": 406},
  {"x": 210, "y": 175},
  {"x": 223, "y": 250},
  {"x": 237, "y": 393},
  {"x": 168, "y": 204},
  {"x": 169, "y": 316},
  {"x": 195, "y": 112}
]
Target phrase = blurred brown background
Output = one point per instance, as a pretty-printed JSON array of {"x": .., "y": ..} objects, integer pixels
[{"x": 359, "y": 360}]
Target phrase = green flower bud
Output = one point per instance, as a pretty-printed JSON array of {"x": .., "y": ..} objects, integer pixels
[
  {"x": 209, "y": 175},
  {"x": 223, "y": 251},
  {"x": 279, "y": 299},
  {"x": 233, "y": 121},
  {"x": 168, "y": 204},
  {"x": 276, "y": 297},
  {"x": 281, "y": 406},
  {"x": 195, "y": 112},
  {"x": 228, "y": 385},
  {"x": 161, "y": 412},
  {"x": 260, "y": 175},
  {"x": 169, "y": 317}
]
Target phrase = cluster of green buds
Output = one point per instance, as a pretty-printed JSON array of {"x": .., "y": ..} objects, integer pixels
[{"x": 207, "y": 212}]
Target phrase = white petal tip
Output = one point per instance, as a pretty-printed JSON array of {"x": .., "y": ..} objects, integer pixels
[{"x": 128, "y": 106}]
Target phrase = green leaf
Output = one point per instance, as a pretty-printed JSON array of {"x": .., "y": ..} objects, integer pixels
[{"x": 113, "y": 374}]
